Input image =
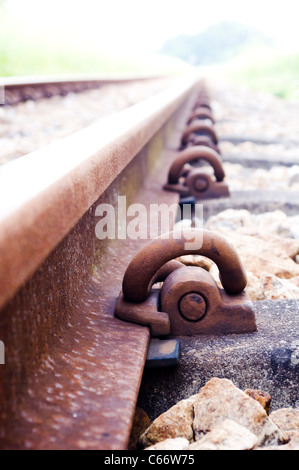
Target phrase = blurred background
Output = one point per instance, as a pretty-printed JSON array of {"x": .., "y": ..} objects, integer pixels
[{"x": 254, "y": 43}]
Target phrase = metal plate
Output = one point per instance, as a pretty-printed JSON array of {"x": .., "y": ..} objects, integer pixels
[{"x": 163, "y": 353}]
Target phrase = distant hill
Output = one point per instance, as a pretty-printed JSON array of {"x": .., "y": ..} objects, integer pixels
[{"x": 218, "y": 43}]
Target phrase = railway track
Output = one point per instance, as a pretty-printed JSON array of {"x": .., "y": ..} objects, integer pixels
[
  {"x": 29, "y": 125},
  {"x": 21, "y": 89},
  {"x": 74, "y": 361}
]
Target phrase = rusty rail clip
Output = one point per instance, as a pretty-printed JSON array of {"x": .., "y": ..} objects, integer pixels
[
  {"x": 203, "y": 102},
  {"x": 190, "y": 181},
  {"x": 201, "y": 113},
  {"x": 190, "y": 300},
  {"x": 203, "y": 140},
  {"x": 201, "y": 129}
]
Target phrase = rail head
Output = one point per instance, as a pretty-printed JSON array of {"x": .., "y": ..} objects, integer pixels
[
  {"x": 15, "y": 90},
  {"x": 21, "y": 81},
  {"x": 45, "y": 193}
]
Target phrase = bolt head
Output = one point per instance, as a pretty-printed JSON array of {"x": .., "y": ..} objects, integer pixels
[{"x": 192, "y": 306}]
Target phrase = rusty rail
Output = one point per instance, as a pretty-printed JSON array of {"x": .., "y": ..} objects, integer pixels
[
  {"x": 73, "y": 370},
  {"x": 20, "y": 89}
]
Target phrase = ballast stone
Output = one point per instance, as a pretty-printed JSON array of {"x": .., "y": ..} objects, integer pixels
[
  {"x": 178, "y": 443},
  {"x": 219, "y": 416},
  {"x": 219, "y": 400},
  {"x": 287, "y": 419},
  {"x": 228, "y": 435},
  {"x": 174, "y": 423}
]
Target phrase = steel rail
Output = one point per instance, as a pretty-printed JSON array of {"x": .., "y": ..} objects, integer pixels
[
  {"x": 74, "y": 78},
  {"x": 73, "y": 371},
  {"x": 19, "y": 89},
  {"x": 34, "y": 187}
]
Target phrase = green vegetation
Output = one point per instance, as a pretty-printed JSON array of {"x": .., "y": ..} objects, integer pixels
[
  {"x": 242, "y": 54},
  {"x": 23, "y": 52},
  {"x": 225, "y": 50},
  {"x": 278, "y": 75},
  {"x": 264, "y": 69}
]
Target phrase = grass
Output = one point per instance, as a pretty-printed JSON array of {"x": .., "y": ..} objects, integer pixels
[
  {"x": 264, "y": 69},
  {"x": 23, "y": 52}
]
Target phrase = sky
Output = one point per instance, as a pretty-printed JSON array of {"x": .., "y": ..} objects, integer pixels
[{"x": 138, "y": 25}]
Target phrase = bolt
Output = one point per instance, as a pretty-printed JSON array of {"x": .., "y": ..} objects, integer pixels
[
  {"x": 201, "y": 183},
  {"x": 192, "y": 306}
]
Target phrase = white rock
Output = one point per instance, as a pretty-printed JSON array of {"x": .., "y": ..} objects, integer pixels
[
  {"x": 293, "y": 444},
  {"x": 176, "y": 422},
  {"x": 287, "y": 419},
  {"x": 228, "y": 435},
  {"x": 179, "y": 443},
  {"x": 219, "y": 400},
  {"x": 274, "y": 288},
  {"x": 230, "y": 219},
  {"x": 289, "y": 228},
  {"x": 269, "y": 221}
]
